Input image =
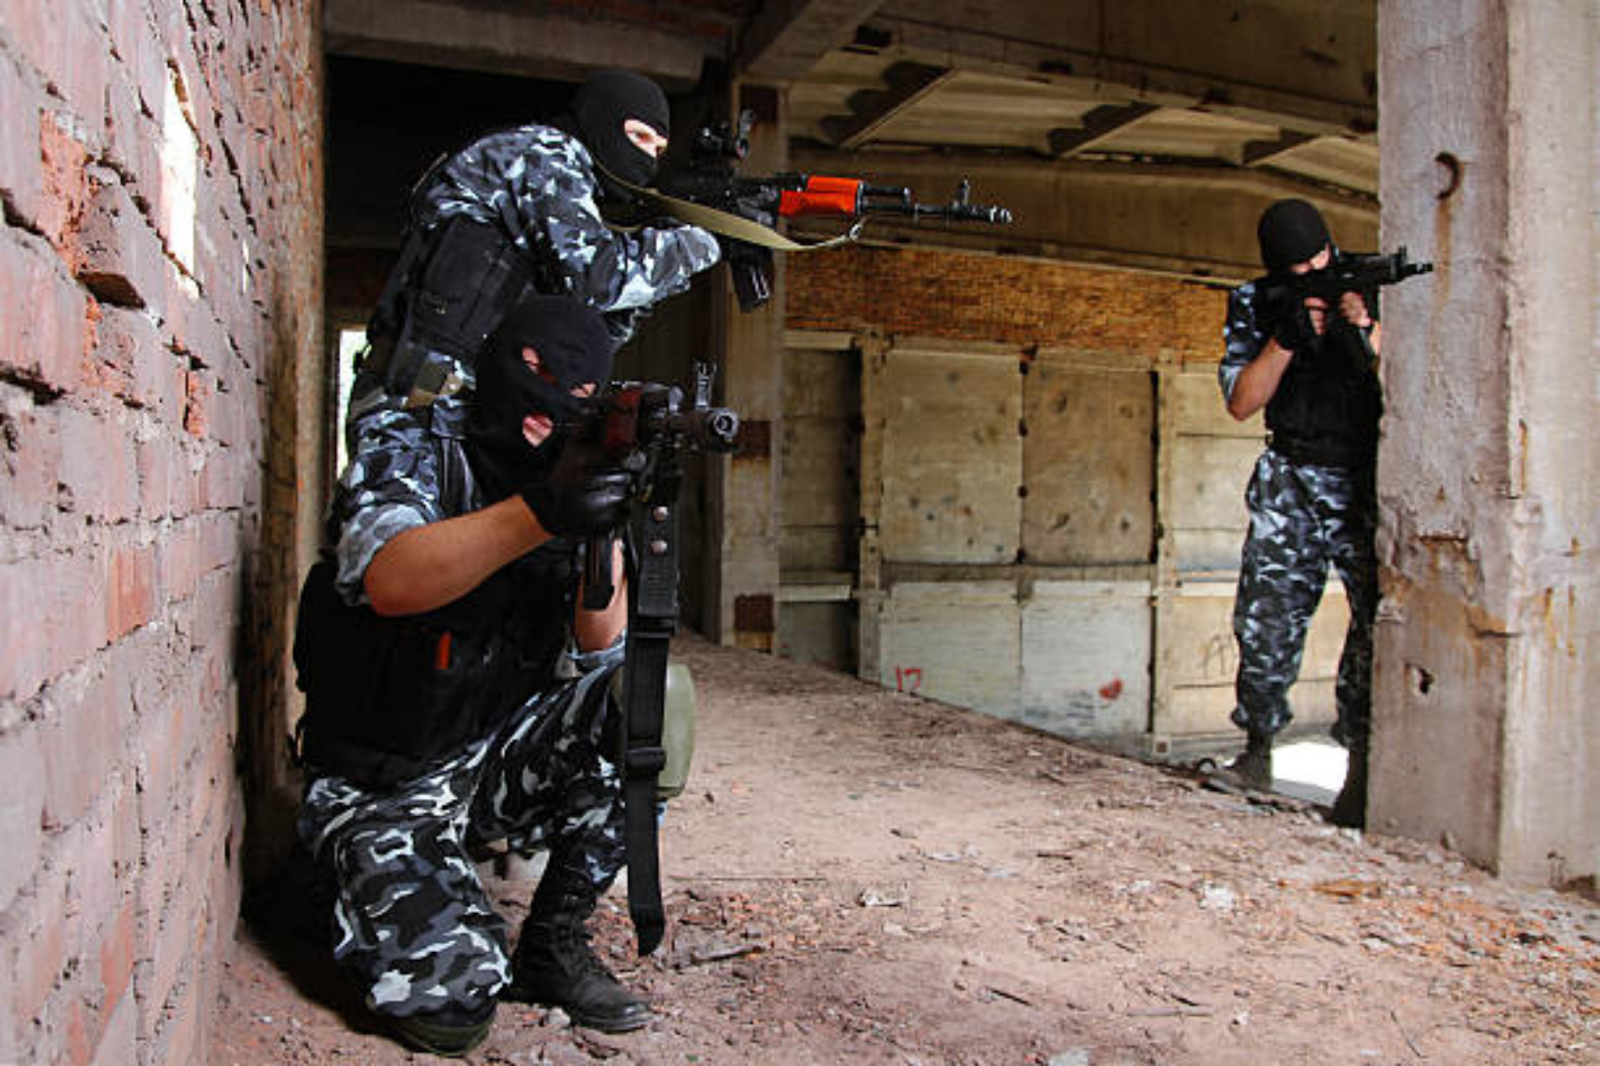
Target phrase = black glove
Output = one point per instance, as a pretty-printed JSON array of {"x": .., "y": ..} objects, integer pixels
[
  {"x": 1289, "y": 324},
  {"x": 581, "y": 495},
  {"x": 1292, "y": 335}
]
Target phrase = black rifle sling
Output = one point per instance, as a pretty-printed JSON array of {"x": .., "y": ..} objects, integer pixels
[{"x": 652, "y": 617}]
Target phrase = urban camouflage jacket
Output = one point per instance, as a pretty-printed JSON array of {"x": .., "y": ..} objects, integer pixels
[
  {"x": 408, "y": 468},
  {"x": 540, "y": 185},
  {"x": 1243, "y": 337}
]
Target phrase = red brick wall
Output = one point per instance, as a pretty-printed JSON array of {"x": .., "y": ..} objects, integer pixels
[
  {"x": 159, "y": 265},
  {"x": 1026, "y": 302}
]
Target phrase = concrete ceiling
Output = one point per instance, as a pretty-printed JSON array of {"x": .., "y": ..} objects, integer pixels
[
  {"x": 1218, "y": 105},
  {"x": 1278, "y": 85}
]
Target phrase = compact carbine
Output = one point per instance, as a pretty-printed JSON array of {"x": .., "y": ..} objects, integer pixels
[{"x": 1286, "y": 294}]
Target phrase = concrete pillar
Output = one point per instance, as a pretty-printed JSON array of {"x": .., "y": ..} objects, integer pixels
[
  {"x": 1487, "y": 732},
  {"x": 869, "y": 556},
  {"x": 1164, "y": 586},
  {"x": 744, "y": 489}
]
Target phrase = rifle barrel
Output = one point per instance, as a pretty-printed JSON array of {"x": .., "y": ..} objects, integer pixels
[{"x": 990, "y": 213}]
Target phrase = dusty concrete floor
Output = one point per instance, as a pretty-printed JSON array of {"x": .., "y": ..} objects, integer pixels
[{"x": 857, "y": 876}]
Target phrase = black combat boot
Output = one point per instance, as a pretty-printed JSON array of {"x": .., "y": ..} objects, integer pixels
[
  {"x": 554, "y": 964},
  {"x": 1252, "y": 768},
  {"x": 1350, "y": 806}
]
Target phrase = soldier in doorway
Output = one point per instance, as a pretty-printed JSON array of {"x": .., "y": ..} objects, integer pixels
[{"x": 1313, "y": 366}]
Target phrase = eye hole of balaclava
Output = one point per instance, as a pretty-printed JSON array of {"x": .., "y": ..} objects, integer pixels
[
  {"x": 574, "y": 348},
  {"x": 606, "y": 100},
  {"x": 1290, "y": 231}
]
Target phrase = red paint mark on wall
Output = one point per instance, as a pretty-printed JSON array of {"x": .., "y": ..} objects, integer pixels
[
  {"x": 908, "y": 678},
  {"x": 1112, "y": 689}
]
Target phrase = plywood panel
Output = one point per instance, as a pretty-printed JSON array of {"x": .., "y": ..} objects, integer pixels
[
  {"x": 1200, "y": 709},
  {"x": 952, "y": 459},
  {"x": 1206, "y": 656},
  {"x": 954, "y": 641},
  {"x": 1086, "y": 658},
  {"x": 820, "y": 487},
  {"x": 820, "y": 383},
  {"x": 1201, "y": 637},
  {"x": 1089, "y": 466},
  {"x": 1205, "y": 708},
  {"x": 813, "y": 548},
  {"x": 1200, "y": 409},
  {"x": 1209, "y": 475},
  {"x": 1208, "y": 549},
  {"x": 1212, "y": 458},
  {"x": 820, "y": 633}
]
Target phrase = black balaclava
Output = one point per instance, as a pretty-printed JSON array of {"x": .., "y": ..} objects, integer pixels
[
  {"x": 600, "y": 106},
  {"x": 1290, "y": 231},
  {"x": 573, "y": 346}
]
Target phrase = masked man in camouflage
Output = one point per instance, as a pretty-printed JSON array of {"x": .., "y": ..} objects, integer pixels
[
  {"x": 1312, "y": 498},
  {"x": 456, "y": 691},
  {"x": 520, "y": 210}
]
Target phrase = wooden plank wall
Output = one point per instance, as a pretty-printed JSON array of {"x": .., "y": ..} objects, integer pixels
[{"x": 1047, "y": 534}]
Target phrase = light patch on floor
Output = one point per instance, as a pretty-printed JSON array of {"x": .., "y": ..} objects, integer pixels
[{"x": 1309, "y": 769}]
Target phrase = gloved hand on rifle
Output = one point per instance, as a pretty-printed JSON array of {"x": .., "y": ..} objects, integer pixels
[
  {"x": 1292, "y": 328},
  {"x": 583, "y": 493}
]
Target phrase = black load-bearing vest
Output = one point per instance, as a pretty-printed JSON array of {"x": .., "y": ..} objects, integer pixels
[
  {"x": 389, "y": 697},
  {"x": 1327, "y": 405}
]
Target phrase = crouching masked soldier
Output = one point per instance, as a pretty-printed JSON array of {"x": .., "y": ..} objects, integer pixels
[
  {"x": 1312, "y": 497},
  {"x": 456, "y": 692},
  {"x": 518, "y": 210}
]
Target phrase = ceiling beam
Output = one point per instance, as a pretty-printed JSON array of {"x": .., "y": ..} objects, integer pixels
[
  {"x": 786, "y": 38},
  {"x": 1266, "y": 153},
  {"x": 871, "y": 110},
  {"x": 502, "y": 39},
  {"x": 1206, "y": 84},
  {"x": 1098, "y": 125}
]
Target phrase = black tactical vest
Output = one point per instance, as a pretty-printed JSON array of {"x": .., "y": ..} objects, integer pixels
[
  {"x": 389, "y": 697},
  {"x": 1326, "y": 408}
]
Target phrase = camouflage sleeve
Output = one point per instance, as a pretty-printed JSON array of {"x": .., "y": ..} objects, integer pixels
[
  {"x": 1243, "y": 338},
  {"x": 390, "y": 485},
  {"x": 609, "y": 269},
  {"x": 539, "y": 184}
]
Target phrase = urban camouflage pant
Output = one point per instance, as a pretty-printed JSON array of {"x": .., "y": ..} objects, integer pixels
[
  {"x": 411, "y": 921},
  {"x": 1302, "y": 519}
]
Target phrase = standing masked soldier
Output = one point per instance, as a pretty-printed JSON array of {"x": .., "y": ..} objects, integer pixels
[
  {"x": 456, "y": 691},
  {"x": 1312, "y": 496},
  {"x": 519, "y": 210}
]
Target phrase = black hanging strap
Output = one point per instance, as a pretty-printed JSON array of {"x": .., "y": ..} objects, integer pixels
[{"x": 652, "y": 618}]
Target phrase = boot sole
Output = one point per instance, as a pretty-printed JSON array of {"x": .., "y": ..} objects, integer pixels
[
  {"x": 517, "y": 994},
  {"x": 445, "y": 1041},
  {"x": 1226, "y": 779}
]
